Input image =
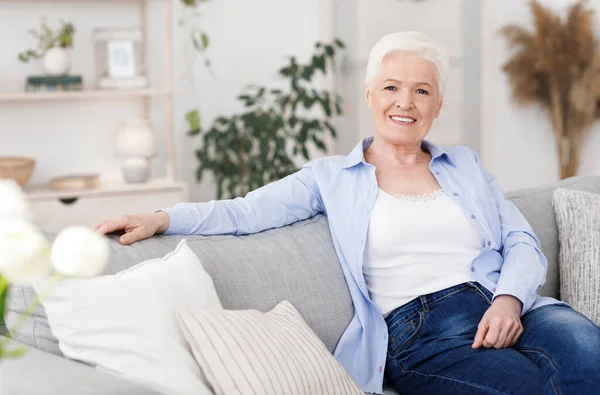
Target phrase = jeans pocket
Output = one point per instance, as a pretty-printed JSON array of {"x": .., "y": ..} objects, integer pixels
[
  {"x": 484, "y": 293},
  {"x": 403, "y": 335}
]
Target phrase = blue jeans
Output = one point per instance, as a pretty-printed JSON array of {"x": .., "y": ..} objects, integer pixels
[{"x": 430, "y": 338}]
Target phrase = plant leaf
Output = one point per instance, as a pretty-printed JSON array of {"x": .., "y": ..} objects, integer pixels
[
  {"x": 340, "y": 43},
  {"x": 3, "y": 295},
  {"x": 193, "y": 118}
]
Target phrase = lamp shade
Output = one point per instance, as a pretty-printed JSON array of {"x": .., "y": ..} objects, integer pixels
[{"x": 135, "y": 138}]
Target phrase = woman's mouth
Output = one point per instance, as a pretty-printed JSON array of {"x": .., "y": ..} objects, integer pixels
[{"x": 402, "y": 120}]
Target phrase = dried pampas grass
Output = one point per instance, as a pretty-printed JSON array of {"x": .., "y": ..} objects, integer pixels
[{"x": 558, "y": 66}]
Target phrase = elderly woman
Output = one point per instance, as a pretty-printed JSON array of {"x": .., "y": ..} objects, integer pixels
[{"x": 443, "y": 270}]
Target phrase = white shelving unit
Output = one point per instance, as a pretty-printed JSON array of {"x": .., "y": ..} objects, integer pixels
[{"x": 57, "y": 209}]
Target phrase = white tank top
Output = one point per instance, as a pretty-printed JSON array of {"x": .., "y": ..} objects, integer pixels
[{"x": 417, "y": 245}]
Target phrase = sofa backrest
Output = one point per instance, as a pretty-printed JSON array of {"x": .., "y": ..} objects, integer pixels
[
  {"x": 296, "y": 263},
  {"x": 536, "y": 205}
]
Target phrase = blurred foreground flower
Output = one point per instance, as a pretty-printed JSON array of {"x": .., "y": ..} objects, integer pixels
[
  {"x": 26, "y": 256},
  {"x": 24, "y": 252},
  {"x": 13, "y": 203},
  {"x": 79, "y": 252}
]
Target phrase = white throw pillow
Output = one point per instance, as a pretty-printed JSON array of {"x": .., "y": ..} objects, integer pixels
[
  {"x": 125, "y": 323},
  {"x": 250, "y": 352}
]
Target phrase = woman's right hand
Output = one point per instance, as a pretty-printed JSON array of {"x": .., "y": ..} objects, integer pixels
[{"x": 136, "y": 227}]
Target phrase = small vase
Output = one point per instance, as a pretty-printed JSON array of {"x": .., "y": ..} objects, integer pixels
[{"x": 56, "y": 61}]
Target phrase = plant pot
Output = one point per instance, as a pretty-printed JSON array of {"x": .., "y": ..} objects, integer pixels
[{"x": 57, "y": 61}]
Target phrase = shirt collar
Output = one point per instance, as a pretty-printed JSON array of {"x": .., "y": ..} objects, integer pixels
[{"x": 357, "y": 155}]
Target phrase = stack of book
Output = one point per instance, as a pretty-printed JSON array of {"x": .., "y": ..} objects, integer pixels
[{"x": 54, "y": 83}]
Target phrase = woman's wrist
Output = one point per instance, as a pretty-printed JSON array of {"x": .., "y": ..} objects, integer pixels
[
  {"x": 509, "y": 299},
  {"x": 163, "y": 221}
]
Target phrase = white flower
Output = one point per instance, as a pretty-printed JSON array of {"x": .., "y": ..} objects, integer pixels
[
  {"x": 13, "y": 202},
  {"x": 24, "y": 251},
  {"x": 78, "y": 251}
]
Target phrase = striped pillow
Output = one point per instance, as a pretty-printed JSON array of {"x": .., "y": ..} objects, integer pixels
[{"x": 250, "y": 352}]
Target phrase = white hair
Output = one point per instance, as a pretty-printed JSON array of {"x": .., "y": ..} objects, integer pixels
[{"x": 415, "y": 43}]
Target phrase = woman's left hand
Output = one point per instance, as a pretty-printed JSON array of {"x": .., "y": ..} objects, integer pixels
[{"x": 501, "y": 325}]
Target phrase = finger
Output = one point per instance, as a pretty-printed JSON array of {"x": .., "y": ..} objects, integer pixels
[
  {"x": 512, "y": 336},
  {"x": 132, "y": 236},
  {"x": 503, "y": 337},
  {"x": 480, "y": 335},
  {"x": 507, "y": 332},
  {"x": 112, "y": 225},
  {"x": 98, "y": 225},
  {"x": 517, "y": 335},
  {"x": 492, "y": 335}
]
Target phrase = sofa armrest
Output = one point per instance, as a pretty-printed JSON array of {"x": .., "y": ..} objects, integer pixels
[{"x": 39, "y": 372}]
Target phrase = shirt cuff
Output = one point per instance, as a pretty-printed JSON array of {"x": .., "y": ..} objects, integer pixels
[
  {"x": 513, "y": 287},
  {"x": 175, "y": 226}
]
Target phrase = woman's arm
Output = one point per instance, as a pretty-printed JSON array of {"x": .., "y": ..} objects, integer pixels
[
  {"x": 291, "y": 199},
  {"x": 525, "y": 266}
]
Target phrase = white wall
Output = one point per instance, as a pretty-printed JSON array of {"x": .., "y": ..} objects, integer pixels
[
  {"x": 249, "y": 42},
  {"x": 519, "y": 144}
]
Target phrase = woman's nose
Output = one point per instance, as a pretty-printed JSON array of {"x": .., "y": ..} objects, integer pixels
[{"x": 404, "y": 101}]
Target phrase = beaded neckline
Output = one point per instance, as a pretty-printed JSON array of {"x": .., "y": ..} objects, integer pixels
[{"x": 424, "y": 197}]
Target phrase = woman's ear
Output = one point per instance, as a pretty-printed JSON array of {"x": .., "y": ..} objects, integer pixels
[
  {"x": 368, "y": 96},
  {"x": 440, "y": 105}
]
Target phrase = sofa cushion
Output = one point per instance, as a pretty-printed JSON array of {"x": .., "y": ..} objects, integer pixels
[
  {"x": 578, "y": 219},
  {"x": 125, "y": 323},
  {"x": 251, "y": 352},
  {"x": 536, "y": 205},
  {"x": 296, "y": 263}
]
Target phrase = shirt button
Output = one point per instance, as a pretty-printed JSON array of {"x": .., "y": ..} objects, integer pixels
[
  {"x": 472, "y": 269},
  {"x": 473, "y": 217},
  {"x": 437, "y": 173},
  {"x": 489, "y": 243},
  {"x": 455, "y": 194},
  {"x": 494, "y": 289}
]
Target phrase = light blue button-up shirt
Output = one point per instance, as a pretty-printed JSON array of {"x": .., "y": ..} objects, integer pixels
[{"x": 344, "y": 188}]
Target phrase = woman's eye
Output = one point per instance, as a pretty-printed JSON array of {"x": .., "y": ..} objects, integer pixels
[
  {"x": 390, "y": 88},
  {"x": 422, "y": 92}
]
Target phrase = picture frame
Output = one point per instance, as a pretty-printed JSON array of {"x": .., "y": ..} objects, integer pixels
[{"x": 119, "y": 58}]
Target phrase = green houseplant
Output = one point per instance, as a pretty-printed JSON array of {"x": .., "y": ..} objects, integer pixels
[
  {"x": 52, "y": 48},
  {"x": 256, "y": 146}
]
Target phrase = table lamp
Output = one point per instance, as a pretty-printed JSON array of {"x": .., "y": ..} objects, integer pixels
[{"x": 136, "y": 144}]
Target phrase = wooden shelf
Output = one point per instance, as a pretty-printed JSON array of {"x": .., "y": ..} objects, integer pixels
[
  {"x": 78, "y": 95},
  {"x": 43, "y": 192}
]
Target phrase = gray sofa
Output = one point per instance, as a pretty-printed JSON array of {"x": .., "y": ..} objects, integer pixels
[{"x": 297, "y": 263}]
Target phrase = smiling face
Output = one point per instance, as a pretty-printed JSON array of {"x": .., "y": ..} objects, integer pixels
[{"x": 404, "y": 99}]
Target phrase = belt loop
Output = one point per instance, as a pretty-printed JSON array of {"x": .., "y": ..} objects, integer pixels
[{"x": 424, "y": 303}]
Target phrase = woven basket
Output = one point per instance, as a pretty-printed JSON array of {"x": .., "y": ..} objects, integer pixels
[{"x": 17, "y": 168}]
